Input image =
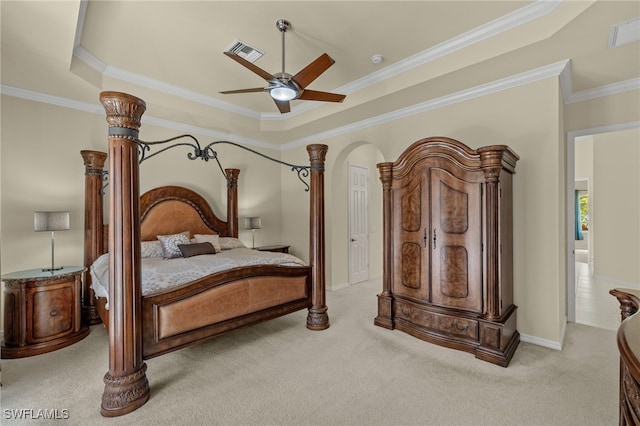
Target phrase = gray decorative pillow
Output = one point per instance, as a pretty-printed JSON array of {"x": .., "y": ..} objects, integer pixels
[
  {"x": 196, "y": 249},
  {"x": 152, "y": 249},
  {"x": 170, "y": 244}
]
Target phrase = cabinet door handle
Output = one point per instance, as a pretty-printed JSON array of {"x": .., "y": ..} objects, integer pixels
[
  {"x": 53, "y": 313},
  {"x": 434, "y": 239},
  {"x": 424, "y": 238}
]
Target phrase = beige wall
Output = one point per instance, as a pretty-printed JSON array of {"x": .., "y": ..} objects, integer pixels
[
  {"x": 42, "y": 169},
  {"x": 532, "y": 129},
  {"x": 616, "y": 206}
]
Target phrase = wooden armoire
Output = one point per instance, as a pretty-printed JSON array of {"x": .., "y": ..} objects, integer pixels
[{"x": 448, "y": 264}]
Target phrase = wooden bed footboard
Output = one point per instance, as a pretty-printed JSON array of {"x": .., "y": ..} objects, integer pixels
[{"x": 220, "y": 303}]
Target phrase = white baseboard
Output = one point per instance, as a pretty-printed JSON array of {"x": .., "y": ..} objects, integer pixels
[
  {"x": 618, "y": 283},
  {"x": 334, "y": 287},
  {"x": 545, "y": 342}
]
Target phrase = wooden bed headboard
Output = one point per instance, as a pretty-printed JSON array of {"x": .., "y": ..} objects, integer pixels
[
  {"x": 163, "y": 211},
  {"x": 171, "y": 209}
]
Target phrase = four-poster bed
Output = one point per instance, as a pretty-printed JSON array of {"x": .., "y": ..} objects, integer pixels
[{"x": 141, "y": 325}]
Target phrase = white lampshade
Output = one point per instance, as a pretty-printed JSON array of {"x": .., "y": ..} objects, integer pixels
[{"x": 50, "y": 221}]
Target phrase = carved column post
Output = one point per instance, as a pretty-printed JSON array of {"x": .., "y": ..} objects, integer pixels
[
  {"x": 126, "y": 385},
  {"x": 232, "y": 200},
  {"x": 318, "y": 319},
  {"x": 93, "y": 224},
  {"x": 385, "y": 299},
  {"x": 494, "y": 159}
]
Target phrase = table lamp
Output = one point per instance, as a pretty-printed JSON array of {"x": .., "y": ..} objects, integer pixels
[
  {"x": 253, "y": 223},
  {"x": 51, "y": 221}
]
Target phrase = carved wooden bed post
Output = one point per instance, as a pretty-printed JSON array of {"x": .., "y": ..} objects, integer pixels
[
  {"x": 232, "y": 201},
  {"x": 93, "y": 224},
  {"x": 126, "y": 385},
  {"x": 318, "y": 319},
  {"x": 385, "y": 298}
]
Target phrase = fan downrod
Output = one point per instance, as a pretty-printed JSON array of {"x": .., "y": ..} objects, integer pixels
[{"x": 283, "y": 25}]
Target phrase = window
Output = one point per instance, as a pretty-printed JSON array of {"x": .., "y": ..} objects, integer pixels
[{"x": 583, "y": 200}]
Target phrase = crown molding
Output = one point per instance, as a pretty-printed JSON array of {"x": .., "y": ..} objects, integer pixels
[
  {"x": 559, "y": 69},
  {"x": 552, "y": 70},
  {"x": 119, "y": 74},
  {"x": 98, "y": 109},
  {"x": 507, "y": 22},
  {"x": 606, "y": 90}
]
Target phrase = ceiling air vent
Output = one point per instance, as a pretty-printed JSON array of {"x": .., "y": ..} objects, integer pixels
[
  {"x": 624, "y": 32},
  {"x": 245, "y": 51}
]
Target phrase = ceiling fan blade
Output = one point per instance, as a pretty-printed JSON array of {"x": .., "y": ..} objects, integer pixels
[
  {"x": 283, "y": 106},
  {"x": 313, "y": 70},
  {"x": 314, "y": 95},
  {"x": 255, "y": 89},
  {"x": 262, "y": 73}
]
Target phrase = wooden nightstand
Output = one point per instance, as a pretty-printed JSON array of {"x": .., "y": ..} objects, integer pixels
[
  {"x": 42, "y": 311},
  {"x": 276, "y": 247}
]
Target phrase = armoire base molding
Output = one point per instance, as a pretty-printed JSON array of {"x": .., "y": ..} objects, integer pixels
[{"x": 491, "y": 341}]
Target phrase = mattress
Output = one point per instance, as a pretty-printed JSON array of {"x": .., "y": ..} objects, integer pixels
[{"x": 160, "y": 275}]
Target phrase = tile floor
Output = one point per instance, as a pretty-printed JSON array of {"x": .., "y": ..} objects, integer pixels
[{"x": 594, "y": 305}]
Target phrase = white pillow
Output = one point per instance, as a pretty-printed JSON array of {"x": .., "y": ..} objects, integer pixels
[
  {"x": 170, "y": 244},
  {"x": 152, "y": 249},
  {"x": 228, "y": 243},
  {"x": 209, "y": 238}
]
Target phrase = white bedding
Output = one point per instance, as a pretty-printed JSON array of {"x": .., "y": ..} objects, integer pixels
[{"x": 162, "y": 274}]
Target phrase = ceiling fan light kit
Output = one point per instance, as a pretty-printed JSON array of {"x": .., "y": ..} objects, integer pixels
[
  {"x": 283, "y": 93},
  {"x": 282, "y": 86}
]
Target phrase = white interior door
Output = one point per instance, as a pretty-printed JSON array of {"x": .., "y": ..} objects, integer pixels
[{"x": 358, "y": 224}]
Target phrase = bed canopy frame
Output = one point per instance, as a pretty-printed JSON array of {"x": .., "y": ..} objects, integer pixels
[{"x": 126, "y": 384}]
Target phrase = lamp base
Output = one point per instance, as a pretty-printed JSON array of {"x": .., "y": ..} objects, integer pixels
[{"x": 52, "y": 269}]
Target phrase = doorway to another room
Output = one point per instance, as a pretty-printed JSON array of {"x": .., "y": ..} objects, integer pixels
[
  {"x": 358, "y": 224},
  {"x": 603, "y": 226}
]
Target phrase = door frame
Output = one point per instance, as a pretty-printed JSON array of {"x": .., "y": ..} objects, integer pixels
[{"x": 570, "y": 205}]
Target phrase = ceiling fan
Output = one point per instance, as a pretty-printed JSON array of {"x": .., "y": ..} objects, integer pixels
[{"x": 284, "y": 87}]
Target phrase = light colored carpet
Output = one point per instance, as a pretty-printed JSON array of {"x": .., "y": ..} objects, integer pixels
[{"x": 354, "y": 373}]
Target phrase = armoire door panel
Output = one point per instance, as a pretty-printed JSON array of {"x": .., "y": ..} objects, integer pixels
[
  {"x": 456, "y": 241},
  {"x": 411, "y": 265},
  {"x": 454, "y": 210},
  {"x": 411, "y": 217},
  {"x": 454, "y": 272}
]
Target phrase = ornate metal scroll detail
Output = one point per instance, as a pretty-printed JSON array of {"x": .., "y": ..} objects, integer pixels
[{"x": 207, "y": 153}]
